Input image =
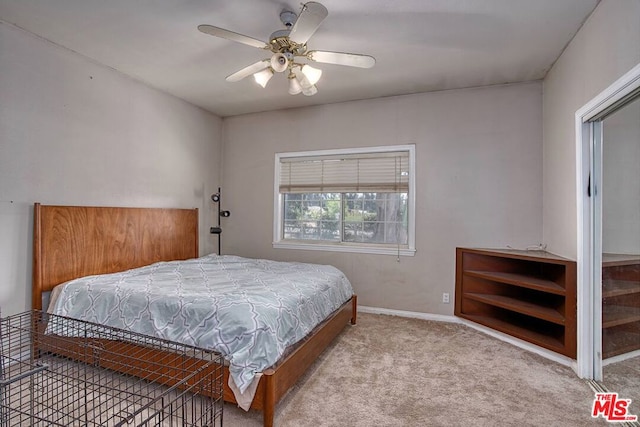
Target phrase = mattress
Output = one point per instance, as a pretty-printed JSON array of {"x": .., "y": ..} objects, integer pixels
[{"x": 249, "y": 310}]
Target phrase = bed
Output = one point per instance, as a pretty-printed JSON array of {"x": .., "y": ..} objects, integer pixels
[{"x": 75, "y": 241}]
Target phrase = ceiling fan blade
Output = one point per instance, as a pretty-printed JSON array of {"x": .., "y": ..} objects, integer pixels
[
  {"x": 339, "y": 58},
  {"x": 230, "y": 35},
  {"x": 247, "y": 71},
  {"x": 308, "y": 21}
]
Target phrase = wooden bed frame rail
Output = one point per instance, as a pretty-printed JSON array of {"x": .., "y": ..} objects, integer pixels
[{"x": 76, "y": 241}]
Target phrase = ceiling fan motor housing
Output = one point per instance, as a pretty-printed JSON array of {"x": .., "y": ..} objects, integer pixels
[
  {"x": 279, "y": 42},
  {"x": 288, "y": 18}
]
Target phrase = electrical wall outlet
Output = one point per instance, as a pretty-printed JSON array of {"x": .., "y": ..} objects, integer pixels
[{"x": 445, "y": 298}]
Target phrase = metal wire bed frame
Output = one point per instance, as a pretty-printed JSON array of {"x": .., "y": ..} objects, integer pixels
[{"x": 58, "y": 371}]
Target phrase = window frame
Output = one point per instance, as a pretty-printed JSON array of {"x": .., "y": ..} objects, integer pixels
[{"x": 352, "y": 247}]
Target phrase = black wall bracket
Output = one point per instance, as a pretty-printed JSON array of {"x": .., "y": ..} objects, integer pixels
[{"x": 226, "y": 214}]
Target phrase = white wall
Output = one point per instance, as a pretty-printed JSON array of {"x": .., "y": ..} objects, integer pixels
[
  {"x": 479, "y": 181},
  {"x": 605, "y": 48},
  {"x": 73, "y": 132}
]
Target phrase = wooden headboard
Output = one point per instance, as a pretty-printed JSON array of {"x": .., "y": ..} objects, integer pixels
[{"x": 76, "y": 241}]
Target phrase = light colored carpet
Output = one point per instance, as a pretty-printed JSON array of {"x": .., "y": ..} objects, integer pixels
[
  {"x": 393, "y": 371},
  {"x": 624, "y": 379}
]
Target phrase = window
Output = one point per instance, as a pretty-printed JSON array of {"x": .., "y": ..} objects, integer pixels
[{"x": 359, "y": 200}]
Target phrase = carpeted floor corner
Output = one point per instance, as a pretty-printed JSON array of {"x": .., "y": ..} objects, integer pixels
[
  {"x": 393, "y": 371},
  {"x": 624, "y": 379}
]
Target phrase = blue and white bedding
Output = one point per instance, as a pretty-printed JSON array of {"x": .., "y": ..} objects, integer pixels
[{"x": 249, "y": 310}]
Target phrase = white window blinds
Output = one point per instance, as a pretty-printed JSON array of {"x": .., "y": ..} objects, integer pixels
[{"x": 362, "y": 172}]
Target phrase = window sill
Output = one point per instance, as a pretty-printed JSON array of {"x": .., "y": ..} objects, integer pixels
[{"x": 361, "y": 249}]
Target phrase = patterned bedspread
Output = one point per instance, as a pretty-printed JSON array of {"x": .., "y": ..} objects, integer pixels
[{"x": 249, "y": 310}]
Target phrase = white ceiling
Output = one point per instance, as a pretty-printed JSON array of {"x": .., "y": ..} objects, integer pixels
[{"x": 419, "y": 45}]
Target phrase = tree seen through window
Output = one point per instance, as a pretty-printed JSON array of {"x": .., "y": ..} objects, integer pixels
[{"x": 346, "y": 217}]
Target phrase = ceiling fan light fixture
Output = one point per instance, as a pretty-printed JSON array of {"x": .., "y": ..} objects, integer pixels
[
  {"x": 301, "y": 78},
  {"x": 309, "y": 91},
  {"x": 294, "y": 85},
  {"x": 263, "y": 77},
  {"x": 312, "y": 74},
  {"x": 279, "y": 62}
]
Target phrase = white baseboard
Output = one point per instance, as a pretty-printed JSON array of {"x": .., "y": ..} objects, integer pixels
[
  {"x": 410, "y": 314},
  {"x": 621, "y": 357},
  {"x": 547, "y": 354}
]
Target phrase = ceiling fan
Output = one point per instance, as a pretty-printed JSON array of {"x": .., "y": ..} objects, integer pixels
[{"x": 288, "y": 46}]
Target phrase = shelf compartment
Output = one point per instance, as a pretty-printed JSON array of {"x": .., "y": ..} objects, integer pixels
[
  {"x": 549, "y": 269},
  {"x": 521, "y": 280},
  {"x": 616, "y": 315},
  {"x": 620, "y": 340},
  {"x": 549, "y": 314},
  {"x": 614, "y": 288},
  {"x": 629, "y": 272},
  {"x": 544, "y": 334},
  {"x": 620, "y": 304},
  {"x": 617, "y": 260}
]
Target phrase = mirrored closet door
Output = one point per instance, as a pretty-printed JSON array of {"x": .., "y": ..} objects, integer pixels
[{"x": 617, "y": 141}]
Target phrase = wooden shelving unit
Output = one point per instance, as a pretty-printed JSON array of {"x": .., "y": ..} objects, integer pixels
[
  {"x": 620, "y": 304},
  {"x": 530, "y": 295}
]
